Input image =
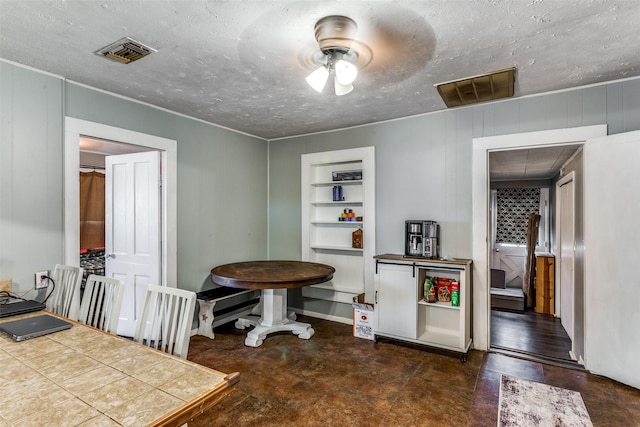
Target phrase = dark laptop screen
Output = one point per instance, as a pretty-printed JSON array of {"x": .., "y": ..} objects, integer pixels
[{"x": 20, "y": 307}]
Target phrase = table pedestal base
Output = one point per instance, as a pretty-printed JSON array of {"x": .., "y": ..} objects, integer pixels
[{"x": 274, "y": 319}]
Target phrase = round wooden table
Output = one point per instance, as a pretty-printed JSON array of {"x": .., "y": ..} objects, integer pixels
[{"x": 273, "y": 278}]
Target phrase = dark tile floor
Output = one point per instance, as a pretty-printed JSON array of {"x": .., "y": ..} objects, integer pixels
[{"x": 334, "y": 379}]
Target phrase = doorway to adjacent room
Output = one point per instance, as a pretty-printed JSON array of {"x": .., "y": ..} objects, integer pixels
[
  {"x": 520, "y": 321},
  {"x": 482, "y": 147},
  {"x": 120, "y": 219},
  {"x": 165, "y": 223}
]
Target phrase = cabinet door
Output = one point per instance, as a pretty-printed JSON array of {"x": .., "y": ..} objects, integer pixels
[{"x": 396, "y": 300}]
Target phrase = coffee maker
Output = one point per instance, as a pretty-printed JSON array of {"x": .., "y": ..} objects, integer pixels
[{"x": 421, "y": 239}]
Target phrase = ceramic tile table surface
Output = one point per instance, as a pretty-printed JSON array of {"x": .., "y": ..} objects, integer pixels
[{"x": 85, "y": 377}]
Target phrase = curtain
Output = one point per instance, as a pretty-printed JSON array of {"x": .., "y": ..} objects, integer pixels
[
  {"x": 92, "y": 210},
  {"x": 512, "y": 213},
  {"x": 530, "y": 267}
]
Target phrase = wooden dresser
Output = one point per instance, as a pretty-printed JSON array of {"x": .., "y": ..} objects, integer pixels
[{"x": 545, "y": 288}]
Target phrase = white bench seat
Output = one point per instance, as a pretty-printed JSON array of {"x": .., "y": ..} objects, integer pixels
[{"x": 507, "y": 299}]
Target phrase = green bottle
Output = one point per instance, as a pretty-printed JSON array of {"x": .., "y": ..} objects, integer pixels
[{"x": 455, "y": 294}]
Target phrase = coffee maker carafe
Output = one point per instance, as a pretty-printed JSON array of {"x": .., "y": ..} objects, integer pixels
[
  {"x": 413, "y": 238},
  {"x": 415, "y": 245}
]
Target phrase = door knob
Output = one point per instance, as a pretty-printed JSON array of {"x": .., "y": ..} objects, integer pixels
[{"x": 111, "y": 256}]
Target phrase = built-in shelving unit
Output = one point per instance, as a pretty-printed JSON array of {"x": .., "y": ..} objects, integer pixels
[{"x": 326, "y": 238}]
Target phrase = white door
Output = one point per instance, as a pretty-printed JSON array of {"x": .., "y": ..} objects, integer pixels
[
  {"x": 132, "y": 234},
  {"x": 612, "y": 236},
  {"x": 567, "y": 248}
]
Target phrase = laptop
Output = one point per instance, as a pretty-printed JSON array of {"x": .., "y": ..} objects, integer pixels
[
  {"x": 32, "y": 327},
  {"x": 20, "y": 307}
]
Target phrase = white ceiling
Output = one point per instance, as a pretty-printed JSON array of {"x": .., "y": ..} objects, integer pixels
[
  {"x": 529, "y": 164},
  {"x": 242, "y": 64}
]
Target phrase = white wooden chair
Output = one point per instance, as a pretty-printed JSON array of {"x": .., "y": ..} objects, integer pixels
[
  {"x": 166, "y": 319},
  {"x": 65, "y": 297},
  {"x": 101, "y": 303}
]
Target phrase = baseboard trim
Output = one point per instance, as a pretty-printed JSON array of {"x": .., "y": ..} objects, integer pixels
[{"x": 322, "y": 316}]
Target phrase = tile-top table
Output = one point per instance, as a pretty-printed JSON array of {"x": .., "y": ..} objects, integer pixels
[{"x": 85, "y": 377}]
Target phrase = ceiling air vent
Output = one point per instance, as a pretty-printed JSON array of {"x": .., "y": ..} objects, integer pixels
[
  {"x": 487, "y": 87},
  {"x": 126, "y": 50}
]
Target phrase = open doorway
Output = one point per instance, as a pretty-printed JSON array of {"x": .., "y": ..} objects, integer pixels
[
  {"x": 482, "y": 147},
  {"x": 120, "y": 219},
  {"x": 75, "y": 129},
  {"x": 522, "y": 290}
]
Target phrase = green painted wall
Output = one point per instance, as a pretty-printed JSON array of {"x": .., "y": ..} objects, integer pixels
[
  {"x": 423, "y": 165},
  {"x": 222, "y": 177},
  {"x": 423, "y": 170},
  {"x": 31, "y": 187}
]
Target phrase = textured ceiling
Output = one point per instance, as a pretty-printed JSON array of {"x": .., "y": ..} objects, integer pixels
[{"x": 242, "y": 64}]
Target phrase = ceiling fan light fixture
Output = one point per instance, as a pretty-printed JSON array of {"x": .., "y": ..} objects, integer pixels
[
  {"x": 335, "y": 35},
  {"x": 346, "y": 72},
  {"x": 341, "y": 89},
  {"x": 318, "y": 78}
]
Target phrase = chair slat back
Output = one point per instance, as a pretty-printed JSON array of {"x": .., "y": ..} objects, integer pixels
[
  {"x": 65, "y": 299},
  {"x": 101, "y": 303},
  {"x": 166, "y": 319}
]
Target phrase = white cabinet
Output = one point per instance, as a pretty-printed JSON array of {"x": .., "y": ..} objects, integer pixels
[
  {"x": 327, "y": 239},
  {"x": 395, "y": 297},
  {"x": 403, "y": 313}
]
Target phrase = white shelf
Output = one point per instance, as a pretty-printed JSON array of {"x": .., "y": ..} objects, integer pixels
[
  {"x": 324, "y": 238},
  {"x": 332, "y": 183},
  {"x": 337, "y": 248},
  {"x": 440, "y": 304},
  {"x": 340, "y": 203},
  {"x": 349, "y": 223},
  {"x": 443, "y": 338}
]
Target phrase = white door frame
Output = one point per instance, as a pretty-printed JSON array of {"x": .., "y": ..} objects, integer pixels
[
  {"x": 481, "y": 245},
  {"x": 74, "y": 128}
]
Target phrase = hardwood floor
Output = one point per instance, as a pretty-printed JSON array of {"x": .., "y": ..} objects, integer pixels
[
  {"x": 530, "y": 333},
  {"x": 334, "y": 379}
]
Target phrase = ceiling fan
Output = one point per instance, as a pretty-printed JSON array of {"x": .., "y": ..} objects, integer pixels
[{"x": 335, "y": 35}]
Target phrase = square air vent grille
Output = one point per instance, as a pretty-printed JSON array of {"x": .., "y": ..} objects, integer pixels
[
  {"x": 125, "y": 51},
  {"x": 487, "y": 87}
]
